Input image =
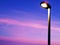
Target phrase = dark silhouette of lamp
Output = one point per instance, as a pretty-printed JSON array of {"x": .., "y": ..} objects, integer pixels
[{"x": 47, "y": 6}]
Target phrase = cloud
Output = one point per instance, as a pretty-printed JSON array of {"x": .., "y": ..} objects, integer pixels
[
  {"x": 27, "y": 24},
  {"x": 23, "y": 40},
  {"x": 28, "y": 30},
  {"x": 17, "y": 40},
  {"x": 24, "y": 29},
  {"x": 18, "y": 23}
]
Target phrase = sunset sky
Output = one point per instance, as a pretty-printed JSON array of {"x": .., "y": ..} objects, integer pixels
[{"x": 26, "y": 21}]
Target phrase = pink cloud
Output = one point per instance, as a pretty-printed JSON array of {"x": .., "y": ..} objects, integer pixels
[
  {"x": 27, "y": 24},
  {"x": 20, "y": 31},
  {"x": 23, "y": 40},
  {"x": 28, "y": 40}
]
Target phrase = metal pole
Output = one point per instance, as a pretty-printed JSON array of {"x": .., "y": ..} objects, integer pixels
[{"x": 49, "y": 19}]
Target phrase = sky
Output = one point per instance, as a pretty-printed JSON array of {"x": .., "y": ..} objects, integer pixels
[{"x": 26, "y": 21}]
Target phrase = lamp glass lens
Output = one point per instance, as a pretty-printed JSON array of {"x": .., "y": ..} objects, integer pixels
[{"x": 44, "y": 5}]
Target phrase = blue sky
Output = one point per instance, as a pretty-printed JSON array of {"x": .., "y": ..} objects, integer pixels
[{"x": 31, "y": 6}]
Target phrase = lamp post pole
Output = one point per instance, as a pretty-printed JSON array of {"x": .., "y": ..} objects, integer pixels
[
  {"x": 49, "y": 23},
  {"x": 47, "y": 6}
]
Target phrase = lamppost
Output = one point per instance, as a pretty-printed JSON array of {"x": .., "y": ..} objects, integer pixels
[{"x": 47, "y": 6}]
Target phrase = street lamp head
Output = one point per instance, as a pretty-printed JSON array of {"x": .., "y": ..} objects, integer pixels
[{"x": 45, "y": 5}]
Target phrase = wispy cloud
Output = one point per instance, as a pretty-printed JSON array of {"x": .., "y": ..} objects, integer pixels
[
  {"x": 28, "y": 24},
  {"x": 23, "y": 40},
  {"x": 27, "y": 29}
]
